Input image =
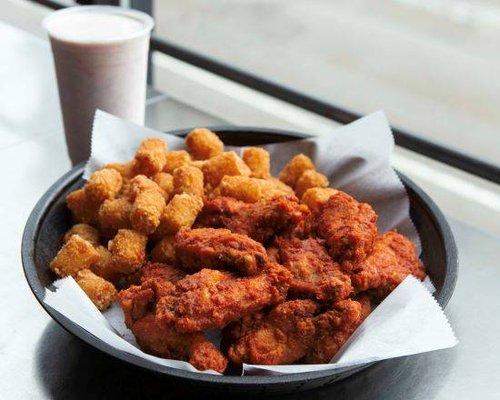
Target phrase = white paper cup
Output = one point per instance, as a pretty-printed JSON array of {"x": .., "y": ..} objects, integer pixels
[{"x": 100, "y": 56}]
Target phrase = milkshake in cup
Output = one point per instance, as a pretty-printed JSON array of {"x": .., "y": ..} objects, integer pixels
[{"x": 100, "y": 56}]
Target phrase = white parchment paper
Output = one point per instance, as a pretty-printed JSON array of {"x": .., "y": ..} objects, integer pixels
[{"x": 356, "y": 158}]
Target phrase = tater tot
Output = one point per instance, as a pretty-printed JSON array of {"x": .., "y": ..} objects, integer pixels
[
  {"x": 294, "y": 169},
  {"x": 310, "y": 179},
  {"x": 82, "y": 207},
  {"x": 166, "y": 183},
  {"x": 115, "y": 214},
  {"x": 176, "y": 159},
  {"x": 164, "y": 251},
  {"x": 76, "y": 254},
  {"x": 198, "y": 163},
  {"x": 203, "y": 144},
  {"x": 103, "y": 184},
  {"x": 146, "y": 211},
  {"x": 104, "y": 266},
  {"x": 188, "y": 179},
  {"x": 272, "y": 188},
  {"x": 224, "y": 164},
  {"x": 128, "y": 250},
  {"x": 258, "y": 160},
  {"x": 141, "y": 183},
  {"x": 126, "y": 170},
  {"x": 151, "y": 156},
  {"x": 180, "y": 213},
  {"x": 100, "y": 291},
  {"x": 314, "y": 198},
  {"x": 85, "y": 231},
  {"x": 242, "y": 188}
]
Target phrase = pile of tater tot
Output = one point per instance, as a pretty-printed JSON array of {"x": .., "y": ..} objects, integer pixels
[{"x": 202, "y": 239}]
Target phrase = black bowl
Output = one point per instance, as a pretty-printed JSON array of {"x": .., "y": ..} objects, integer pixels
[{"x": 50, "y": 219}]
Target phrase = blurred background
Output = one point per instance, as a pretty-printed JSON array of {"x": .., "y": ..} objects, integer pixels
[{"x": 431, "y": 65}]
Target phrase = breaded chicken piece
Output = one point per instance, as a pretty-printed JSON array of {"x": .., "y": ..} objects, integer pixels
[
  {"x": 164, "y": 341},
  {"x": 261, "y": 221},
  {"x": 334, "y": 327},
  {"x": 393, "y": 258},
  {"x": 348, "y": 227},
  {"x": 219, "y": 249},
  {"x": 161, "y": 271},
  {"x": 281, "y": 337},
  {"x": 314, "y": 272},
  {"x": 200, "y": 308}
]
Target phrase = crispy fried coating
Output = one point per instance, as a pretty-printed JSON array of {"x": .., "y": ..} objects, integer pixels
[
  {"x": 85, "y": 231},
  {"x": 150, "y": 156},
  {"x": 114, "y": 214},
  {"x": 74, "y": 255},
  {"x": 333, "y": 328},
  {"x": 281, "y": 337},
  {"x": 316, "y": 197},
  {"x": 176, "y": 159},
  {"x": 259, "y": 162},
  {"x": 348, "y": 227},
  {"x": 241, "y": 188},
  {"x": 225, "y": 301},
  {"x": 166, "y": 183},
  {"x": 188, "y": 179},
  {"x": 159, "y": 339},
  {"x": 310, "y": 179},
  {"x": 227, "y": 163},
  {"x": 219, "y": 249},
  {"x": 261, "y": 221},
  {"x": 155, "y": 270},
  {"x": 164, "y": 341},
  {"x": 126, "y": 170},
  {"x": 314, "y": 273},
  {"x": 83, "y": 209},
  {"x": 181, "y": 212},
  {"x": 104, "y": 267},
  {"x": 103, "y": 184},
  {"x": 100, "y": 291},
  {"x": 295, "y": 168},
  {"x": 142, "y": 183},
  {"x": 146, "y": 211},
  {"x": 203, "y": 144},
  {"x": 393, "y": 258},
  {"x": 128, "y": 249},
  {"x": 164, "y": 251}
]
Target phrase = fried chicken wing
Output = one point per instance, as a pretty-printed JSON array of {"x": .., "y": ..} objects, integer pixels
[
  {"x": 334, "y": 327},
  {"x": 219, "y": 249},
  {"x": 261, "y": 220},
  {"x": 393, "y": 258},
  {"x": 314, "y": 272},
  {"x": 160, "y": 271},
  {"x": 199, "y": 308},
  {"x": 164, "y": 341},
  {"x": 281, "y": 337},
  {"x": 348, "y": 227}
]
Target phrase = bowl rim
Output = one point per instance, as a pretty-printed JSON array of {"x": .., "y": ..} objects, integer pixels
[{"x": 38, "y": 213}]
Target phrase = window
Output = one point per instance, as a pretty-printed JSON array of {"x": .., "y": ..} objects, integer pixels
[{"x": 431, "y": 65}]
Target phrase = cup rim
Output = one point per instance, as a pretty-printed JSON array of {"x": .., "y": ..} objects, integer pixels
[{"x": 146, "y": 19}]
